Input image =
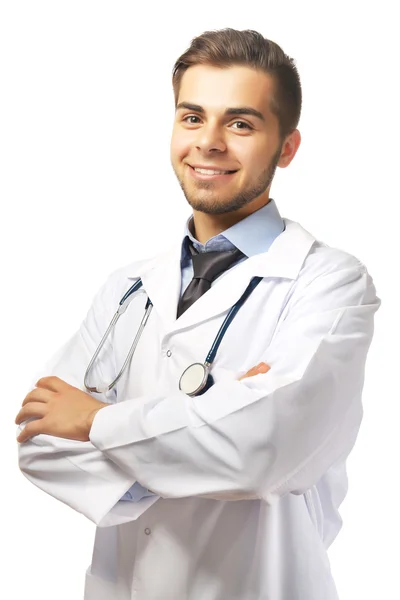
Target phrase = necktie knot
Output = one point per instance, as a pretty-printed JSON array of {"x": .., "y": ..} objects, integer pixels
[{"x": 207, "y": 266}]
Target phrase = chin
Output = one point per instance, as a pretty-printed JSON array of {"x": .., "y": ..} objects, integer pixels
[{"x": 212, "y": 207}]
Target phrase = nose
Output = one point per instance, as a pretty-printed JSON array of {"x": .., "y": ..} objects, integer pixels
[{"x": 209, "y": 138}]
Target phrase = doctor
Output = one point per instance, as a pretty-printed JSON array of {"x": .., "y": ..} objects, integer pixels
[{"x": 232, "y": 492}]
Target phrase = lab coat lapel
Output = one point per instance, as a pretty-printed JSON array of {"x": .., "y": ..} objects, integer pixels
[
  {"x": 162, "y": 282},
  {"x": 283, "y": 260},
  {"x": 162, "y": 278}
]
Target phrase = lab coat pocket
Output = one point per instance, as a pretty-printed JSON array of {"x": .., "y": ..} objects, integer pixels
[{"x": 97, "y": 588}]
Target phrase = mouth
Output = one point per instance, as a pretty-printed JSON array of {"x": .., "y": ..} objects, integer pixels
[{"x": 209, "y": 174}]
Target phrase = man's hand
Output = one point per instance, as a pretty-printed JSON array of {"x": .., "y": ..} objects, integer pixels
[
  {"x": 261, "y": 368},
  {"x": 59, "y": 409},
  {"x": 65, "y": 411}
]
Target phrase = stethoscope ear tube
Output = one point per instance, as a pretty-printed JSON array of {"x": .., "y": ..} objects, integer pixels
[
  {"x": 121, "y": 309},
  {"x": 100, "y": 389}
]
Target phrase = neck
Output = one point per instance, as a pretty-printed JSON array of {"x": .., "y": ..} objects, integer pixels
[{"x": 206, "y": 226}]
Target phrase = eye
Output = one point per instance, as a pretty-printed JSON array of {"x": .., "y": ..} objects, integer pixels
[
  {"x": 243, "y": 124},
  {"x": 190, "y": 117},
  {"x": 246, "y": 125}
]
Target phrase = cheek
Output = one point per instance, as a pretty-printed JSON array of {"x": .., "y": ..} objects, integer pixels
[
  {"x": 257, "y": 159},
  {"x": 180, "y": 147},
  {"x": 178, "y": 153}
]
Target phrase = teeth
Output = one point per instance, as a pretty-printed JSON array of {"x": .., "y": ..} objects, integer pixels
[{"x": 210, "y": 172}]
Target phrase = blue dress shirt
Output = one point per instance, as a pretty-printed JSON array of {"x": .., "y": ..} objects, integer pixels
[{"x": 252, "y": 235}]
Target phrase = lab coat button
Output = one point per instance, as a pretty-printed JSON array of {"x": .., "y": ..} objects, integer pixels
[
  {"x": 147, "y": 531},
  {"x": 169, "y": 353}
]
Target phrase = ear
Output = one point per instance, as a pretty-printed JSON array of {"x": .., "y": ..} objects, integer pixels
[{"x": 289, "y": 148}]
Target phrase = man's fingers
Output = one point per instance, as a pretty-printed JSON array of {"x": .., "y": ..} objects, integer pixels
[
  {"x": 37, "y": 395},
  {"x": 32, "y": 428},
  {"x": 52, "y": 383},
  {"x": 249, "y": 373},
  {"x": 260, "y": 368},
  {"x": 32, "y": 409}
]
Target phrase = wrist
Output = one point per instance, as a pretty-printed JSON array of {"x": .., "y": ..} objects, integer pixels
[{"x": 92, "y": 415}]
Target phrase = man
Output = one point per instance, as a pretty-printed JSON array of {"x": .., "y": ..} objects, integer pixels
[{"x": 231, "y": 492}]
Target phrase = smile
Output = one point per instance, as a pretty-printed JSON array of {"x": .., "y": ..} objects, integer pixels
[{"x": 209, "y": 174}]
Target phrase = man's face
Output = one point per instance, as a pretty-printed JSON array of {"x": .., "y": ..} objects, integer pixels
[{"x": 205, "y": 136}]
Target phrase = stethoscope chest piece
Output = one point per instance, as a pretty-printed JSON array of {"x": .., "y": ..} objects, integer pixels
[{"x": 196, "y": 379}]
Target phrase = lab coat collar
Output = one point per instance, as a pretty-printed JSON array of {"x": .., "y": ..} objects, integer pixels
[
  {"x": 161, "y": 277},
  {"x": 252, "y": 235}
]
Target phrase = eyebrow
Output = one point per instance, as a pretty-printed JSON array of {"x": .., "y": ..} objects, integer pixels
[{"x": 242, "y": 110}]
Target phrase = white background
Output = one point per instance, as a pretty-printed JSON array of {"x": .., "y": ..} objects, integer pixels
[{"x": 86, "y": 187}]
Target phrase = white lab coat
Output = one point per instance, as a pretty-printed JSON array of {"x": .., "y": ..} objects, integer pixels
[{"x": 248, "y": 476}]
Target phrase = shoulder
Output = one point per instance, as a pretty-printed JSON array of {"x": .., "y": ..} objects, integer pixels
[
  {"x": 330, "y": 271},
  {"x": 335, "y": 275},
  {"x": 324, "y": 259},
  {"x": 321, "y": 258}
]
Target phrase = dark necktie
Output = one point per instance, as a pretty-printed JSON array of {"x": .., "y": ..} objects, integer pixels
[{"x": 206, "y": 267}]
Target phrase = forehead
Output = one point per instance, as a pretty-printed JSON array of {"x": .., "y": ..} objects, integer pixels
[{"x": 216, "y": 88}]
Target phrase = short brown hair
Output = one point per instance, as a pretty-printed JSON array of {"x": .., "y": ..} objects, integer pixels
[{"x": 228, "y": 47}]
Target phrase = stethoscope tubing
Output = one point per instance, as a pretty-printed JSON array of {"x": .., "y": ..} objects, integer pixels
[
  {"x": 229, "y": 318},
  {"x": 123, "y": 304}
]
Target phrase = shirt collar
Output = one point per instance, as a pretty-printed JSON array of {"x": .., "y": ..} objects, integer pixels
[{"x": 252, "y": 235}]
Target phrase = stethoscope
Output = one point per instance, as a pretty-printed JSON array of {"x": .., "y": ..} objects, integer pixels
[{"x": 196, "y": 379}]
